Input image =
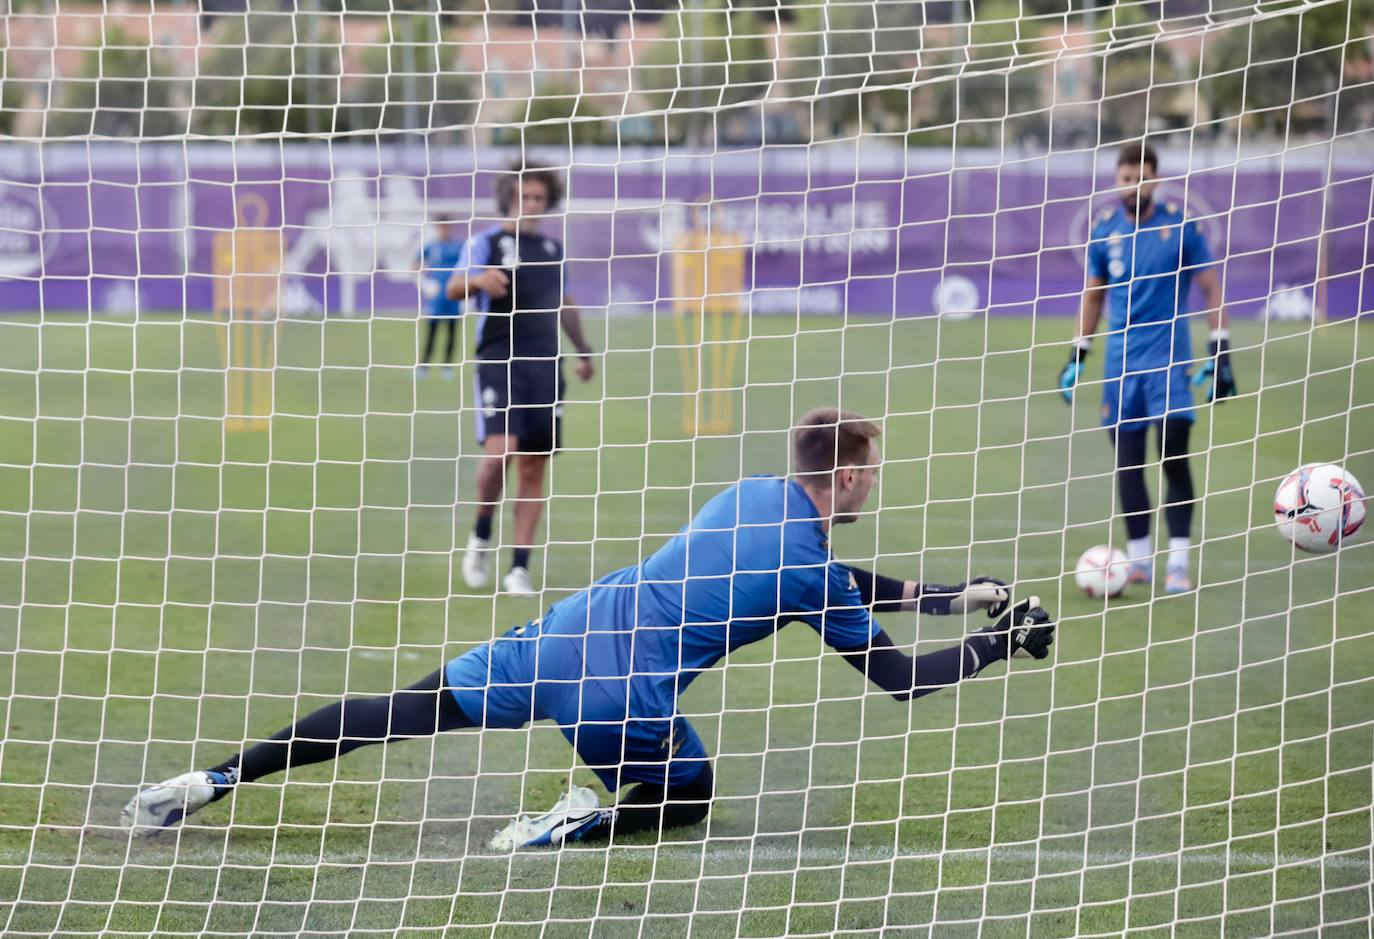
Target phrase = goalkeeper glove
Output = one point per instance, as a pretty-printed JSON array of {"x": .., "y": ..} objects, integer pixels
[
  {"x": 1027, "y": 630},
  {"x": 980, "y": 593},
  {"x": 1217, "y": 368},
  {"x": 1068, "y": 376}
]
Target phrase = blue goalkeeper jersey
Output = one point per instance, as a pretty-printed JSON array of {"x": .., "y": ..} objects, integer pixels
[
  {"x": 1149, "y": 271},
  {"x": 754, "y": 559}
]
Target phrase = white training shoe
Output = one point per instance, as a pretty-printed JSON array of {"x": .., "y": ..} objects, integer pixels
[
  {"x": 164, "y": 805},
  {"x": 573, "y": 816},
  {"x": 517, "y": 581},
  {"x": 477, "y": 562}
]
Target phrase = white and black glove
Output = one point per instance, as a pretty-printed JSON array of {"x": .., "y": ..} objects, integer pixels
[
  {"x": 981, "y": 593},
  {"x": 1027, "y": 630}
]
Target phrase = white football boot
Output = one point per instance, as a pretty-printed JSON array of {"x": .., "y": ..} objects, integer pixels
[
  {"x": 577, "y": 812},
  {"x": 166, "y": 804},
  {"x": 477, "y": 562},
  {"x": 517, "y": 582}
]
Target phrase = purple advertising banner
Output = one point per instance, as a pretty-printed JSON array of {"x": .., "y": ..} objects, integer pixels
[{"x": 116, "y": 228}]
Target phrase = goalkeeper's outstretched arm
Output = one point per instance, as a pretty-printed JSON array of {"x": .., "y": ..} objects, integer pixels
[
  {"x": 1025, "y": 631},
  {"x": 890, "y": 595}
]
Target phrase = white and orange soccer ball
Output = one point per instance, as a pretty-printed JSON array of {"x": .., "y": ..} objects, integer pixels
[
  {"x": 1102, "y": 572},
  {"x": 1319, "y": 507}
]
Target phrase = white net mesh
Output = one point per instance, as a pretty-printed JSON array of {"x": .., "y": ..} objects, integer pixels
[{"x": 238, "y": 466}]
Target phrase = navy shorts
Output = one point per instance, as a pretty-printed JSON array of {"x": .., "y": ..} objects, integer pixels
[
  {"x": 1138, "y": 399},
  {"x": 522, "y": 400},
  {"x": 495, "y": 686}
]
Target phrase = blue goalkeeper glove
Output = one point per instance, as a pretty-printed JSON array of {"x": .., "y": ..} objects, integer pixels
[
  {"x": 1217, "y": 369},
  {"x": 1068, "y": 376}
]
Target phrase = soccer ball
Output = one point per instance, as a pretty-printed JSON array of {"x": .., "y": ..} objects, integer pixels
[
  {"x": 1102, "y": 572},
  {"x": 1318, "y": 506}
]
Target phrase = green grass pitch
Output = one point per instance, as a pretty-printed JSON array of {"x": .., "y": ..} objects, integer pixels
[{"x": 1194, "y": 765}]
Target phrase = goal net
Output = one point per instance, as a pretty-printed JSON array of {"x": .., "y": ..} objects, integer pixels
[{"x": 239, "y": 462}]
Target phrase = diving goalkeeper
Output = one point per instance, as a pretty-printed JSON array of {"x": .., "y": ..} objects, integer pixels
[{"x": 610, "y": 663}]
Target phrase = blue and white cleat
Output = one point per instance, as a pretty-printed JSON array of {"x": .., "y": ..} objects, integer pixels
[
  {"x": 160, "y": 807},
  {"x": 572, "y": 817},
  {"x": 1178, "y": 581},
  {"x": 1140, "y": 572}
]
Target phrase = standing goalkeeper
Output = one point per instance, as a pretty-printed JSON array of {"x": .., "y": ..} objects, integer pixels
[{"x": 1144, "y": 257}]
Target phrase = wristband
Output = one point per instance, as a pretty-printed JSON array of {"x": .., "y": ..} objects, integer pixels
[{"x": 935, "y": 599}]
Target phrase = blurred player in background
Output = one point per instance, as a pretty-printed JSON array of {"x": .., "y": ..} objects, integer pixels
[
  {"x": 437, "y": 260},
  {"x": 511, "y": 275},
  {"x": 1143, "y": 258},
  {"x": 609, "y": 664}
]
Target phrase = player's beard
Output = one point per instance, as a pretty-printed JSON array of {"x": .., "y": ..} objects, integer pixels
[{"x": 1137, "y": 204}]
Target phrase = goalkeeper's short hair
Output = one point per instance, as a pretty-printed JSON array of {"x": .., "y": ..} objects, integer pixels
[{"x": 827, "y": 438}]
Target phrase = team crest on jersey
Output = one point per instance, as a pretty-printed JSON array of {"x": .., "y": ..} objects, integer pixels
[
  {"x": 510, "y": 253},
  {"x": 1165, "y": 234}
]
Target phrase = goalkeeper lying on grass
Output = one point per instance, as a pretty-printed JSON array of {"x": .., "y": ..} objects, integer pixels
[{"x": 609, "y": 663}]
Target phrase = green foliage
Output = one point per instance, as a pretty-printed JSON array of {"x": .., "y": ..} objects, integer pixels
[
  {"x": 125, "y": 88},
  {"x": 409, "y": 82},
  {"x": 14, "y": 93},
  {"x": 857, "y": 59},
  {"x": 1132, "y": 68},
  {"x": 560, "y": 114},
  {"x": 709, "y": 56},
  {"x": 985, "y": 84},
  {"x": 266, "y": 73},
  {"x": 1268, "y": 73}
]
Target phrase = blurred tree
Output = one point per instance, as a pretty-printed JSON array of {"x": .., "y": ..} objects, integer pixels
[
  {"x": 1285, "y": 74},
  {"x": 265, "y": 73},
  {"x": 558, "y": 115},
  {"x": 125, "y": 88},
  {"x": 711, "y": 56},
  {"x": 856, "y": 60},
  {"x": 408, "y": 81},
  {"x": 1133, "y": 66},
  {"x": 983, "y": 83},
  {"x": 16, "y": 92}
]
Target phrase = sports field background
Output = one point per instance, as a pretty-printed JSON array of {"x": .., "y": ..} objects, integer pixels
[{"x": 1189, "y": 765}]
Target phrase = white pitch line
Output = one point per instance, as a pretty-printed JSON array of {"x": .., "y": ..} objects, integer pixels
[
  {"x": 765, "y": 854},
  {"x": 384, "y": 655}
]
